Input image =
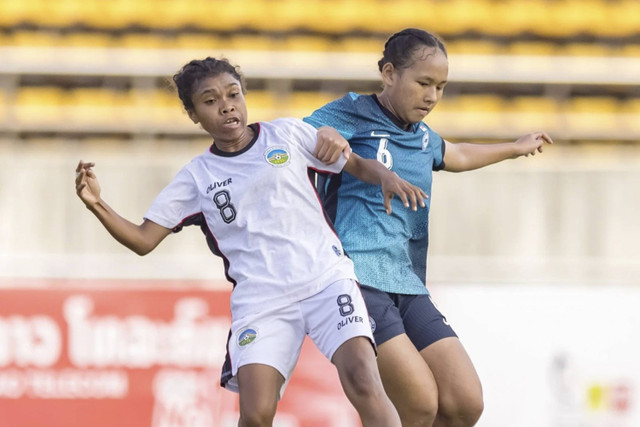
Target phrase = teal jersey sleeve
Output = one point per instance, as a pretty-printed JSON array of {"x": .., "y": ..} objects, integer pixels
[{"x": 339, "y": 114}]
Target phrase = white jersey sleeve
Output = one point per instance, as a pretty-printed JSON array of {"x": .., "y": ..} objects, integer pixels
[
  {"x": 307, "y": 137},
  {"x": 176, "y": 202}
]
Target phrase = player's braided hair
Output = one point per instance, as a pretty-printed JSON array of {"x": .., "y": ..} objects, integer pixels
[
  {"x": 401, "y": 46},
  {"x": 192, "y": 73}
]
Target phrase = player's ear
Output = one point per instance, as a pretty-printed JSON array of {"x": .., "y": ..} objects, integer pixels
[
  {"x": 193, "y": 116},
  {"x": 388, "y": 71}
]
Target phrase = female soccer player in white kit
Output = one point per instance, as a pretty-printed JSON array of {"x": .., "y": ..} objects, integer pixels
[{"x": 251, "y": 194}]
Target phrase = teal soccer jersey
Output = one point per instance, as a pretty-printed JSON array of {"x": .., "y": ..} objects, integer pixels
[{"x": 389, "y": 251}]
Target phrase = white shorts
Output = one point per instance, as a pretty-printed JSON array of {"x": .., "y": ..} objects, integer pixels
[{"x": 274, "y": 336}]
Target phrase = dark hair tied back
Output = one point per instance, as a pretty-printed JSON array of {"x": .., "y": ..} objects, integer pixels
[{"x": 401, "y": 46}]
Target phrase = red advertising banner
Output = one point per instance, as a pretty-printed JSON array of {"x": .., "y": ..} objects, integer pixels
[{"x": 136, "y": 353}]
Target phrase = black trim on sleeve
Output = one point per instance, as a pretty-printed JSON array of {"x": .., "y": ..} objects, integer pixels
[{"x": 442, "y": 165}]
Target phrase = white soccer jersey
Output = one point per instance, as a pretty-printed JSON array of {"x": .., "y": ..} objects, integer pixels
[{"x": 261, "y": 214}]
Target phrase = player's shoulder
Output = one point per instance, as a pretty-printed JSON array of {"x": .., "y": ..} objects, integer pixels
[
  {"x": 354, "y": 99},
  {"x": 425, "y": 128},
  {"x": 284, "y": 123}
]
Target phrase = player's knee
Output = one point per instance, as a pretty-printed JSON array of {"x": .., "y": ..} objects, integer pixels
[
  {"x": 462, "y": 413},
  {"x": 257, "y": 416},
  {"x": 255, "y": 419},
  {"x": 473, "y": 409},
  {"x": 419, "y": 413},
  {"x": 362, "y": 380}
]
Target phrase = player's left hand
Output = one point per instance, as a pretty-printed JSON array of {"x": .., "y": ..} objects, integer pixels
[
  {"x": 330, "y": 145},
  {"x": 531, "y": 143},
  {"x": 410, "y": 195}
]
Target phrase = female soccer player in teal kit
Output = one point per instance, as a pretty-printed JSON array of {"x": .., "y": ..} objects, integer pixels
[{"x": 424, "y": 367}]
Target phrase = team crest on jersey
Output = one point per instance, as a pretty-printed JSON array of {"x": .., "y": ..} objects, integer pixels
[
  {"x": 277, "y": 156},
  {"x": 425, "y": 139},
  {"x": 247, "y": 336}
]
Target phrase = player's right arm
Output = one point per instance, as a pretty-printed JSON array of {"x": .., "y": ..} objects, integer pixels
[{"x": 141, "y": 239}]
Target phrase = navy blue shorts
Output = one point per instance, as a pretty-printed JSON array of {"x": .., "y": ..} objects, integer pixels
[{"x": 394, "y": 314}]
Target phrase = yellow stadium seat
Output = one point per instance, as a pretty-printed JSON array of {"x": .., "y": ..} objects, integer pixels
[
  {"x": 625, "y": 18},
  {"x": 96, "y": 106},
  {"x": 531, "y": 48},
  {"x": 276, "y": 15},
  {"x": 631, "y": 50},
  {"x": 37, "y": 106},
  {"x": 632, "y": 106},
  {"x": 216, "y": 15},
  {"x": 470, "y": 114},
  {"x": 306, "y": 43},
  {"x": 65, "y": 13},
  {"x": 474, "y": 47},
  {"x": 593, "y": 104},
  {"x": 568, "y": 18},
  {"x": 151, "y": 107},
  {"x": 359, "y": 44},
  {"x": 586, "y": 49},
  {"x": 534, "y": 104},
  {"x": 451, "y": 17},
  {"x": 394, "y": 15},
  {"x": 199, "y": 41},
  {"x": 592, "y": 116},
  {"x": 513, "y": 17},
  {"x": 528, "y": 113},
  {"x": 248, "y": 42},
  {"x": 88, "y": 39},
  {"x": 262, "y": 105},
  {"x": 488, "y": 103},
  {"x": 12, "y": 13},
  {"x": 143, "y": 40},
  {"x": 302, "y": 103},
  {"x": 630, "y": 111},
  {"x": 3, "y": 107},
  {"x": 33, "y": 38}
]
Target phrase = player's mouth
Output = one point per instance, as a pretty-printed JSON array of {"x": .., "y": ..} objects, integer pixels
[{"x": 231, "y": 122}]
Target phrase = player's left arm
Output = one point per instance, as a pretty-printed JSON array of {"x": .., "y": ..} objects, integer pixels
[
  {"x": 330, "y": 146},
  {"x": 374, "y": 172},
  {"x": 465, "y": 156}
]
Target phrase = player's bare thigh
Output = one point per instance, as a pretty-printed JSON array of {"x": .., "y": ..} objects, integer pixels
[
  {"x": 259, "y": 389},
  {"x": 459, "y": 387},
  {"x": 407, "y": 379}
]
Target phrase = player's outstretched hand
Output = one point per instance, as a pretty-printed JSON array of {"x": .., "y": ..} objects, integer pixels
[
  {"x": 531, "y": 143},
  {"x": 411, "y": 195},
  {"x": 330, "y": 145},
  {"x": 87, "y": 185}
]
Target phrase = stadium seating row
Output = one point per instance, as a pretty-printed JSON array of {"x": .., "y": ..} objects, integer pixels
[
  {"x": 103, "y": 110},
  {"x": 295, "y": 42},
  {"x": 563, "y": 18},
  {"x": 97, "y": 96}
]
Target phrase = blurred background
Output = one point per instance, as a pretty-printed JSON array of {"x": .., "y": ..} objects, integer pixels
[{"x": 535, "y": 261}]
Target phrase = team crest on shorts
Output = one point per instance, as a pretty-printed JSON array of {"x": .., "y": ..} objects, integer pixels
[
  {"x": 247, "y": 336},
  {"x": 373, "y": 324},
  {"x": 277, "y": 156}
]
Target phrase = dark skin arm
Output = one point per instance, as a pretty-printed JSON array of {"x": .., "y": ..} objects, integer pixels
[{"x": 140, "y": 238}]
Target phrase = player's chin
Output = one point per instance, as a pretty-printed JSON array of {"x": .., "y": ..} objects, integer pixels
[{"x": 419, "y": 115}]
